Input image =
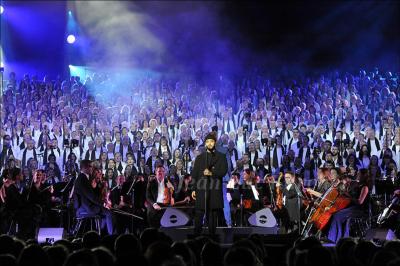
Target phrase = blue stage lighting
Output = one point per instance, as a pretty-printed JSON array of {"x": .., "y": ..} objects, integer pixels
[
  {"x": 70, "y": 13},
  {"x": 1, "y": 9},
  {"x": 71, "y": 39}
]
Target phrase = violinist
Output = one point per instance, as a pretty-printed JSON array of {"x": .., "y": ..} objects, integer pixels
[
  {"x": 41, "y": 196},
  {"x": 159, "y": 194},
  {"x": 16, "y": 207},
  {"x": 234, "y": 198},
  {"x": 86, "y": 202},
  {"x": 183, "y": 194},
  {"x": 71, "y": 168},
  {"x": 250, "y": 195},
  {"x": 359, "y": 191},
  {"x": 119, "y": 201},
  {"x": 269, "y": 195}
]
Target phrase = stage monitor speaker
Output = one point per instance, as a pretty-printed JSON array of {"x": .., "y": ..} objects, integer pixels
[
  {"x": 50, "y": 235},
  {"x": 263, "y": 218},
  {"x": 380, "y": 234},
  {"x": 173, "y": 218}
]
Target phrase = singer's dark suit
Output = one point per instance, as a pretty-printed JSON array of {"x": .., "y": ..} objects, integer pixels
[
  {"x": 86, "y": 202},
  {"x": 216, "y": 162}
]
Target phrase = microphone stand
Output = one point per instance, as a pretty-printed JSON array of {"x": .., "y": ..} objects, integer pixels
[
  {"x": 299, "y": 196},
  {"x": 205, "y": 193}
]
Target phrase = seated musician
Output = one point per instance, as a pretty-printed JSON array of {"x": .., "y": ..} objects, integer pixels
[
  {"x": 16, "y": 207},
  {"x": 86, "y": 202},
  {"x": 41, "y": 195},
  {"x": 250, "y": 195},
  {"x": 120, "y": 200},
  {"x": 183, "y": 192},
  {"x": 359, "y": 192},
  {"x": 322, "y": 184},
  {"x": 234, "y": 198},
  {"x": 269, "y": 193},
  {"x": 159, "y": 194}
]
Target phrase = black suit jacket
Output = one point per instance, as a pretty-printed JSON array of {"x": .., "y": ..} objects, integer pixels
[
  {"x": 218, "y": 165},
  {"x": 152, "y": 192},
  {"x": 85, "y": 199}
]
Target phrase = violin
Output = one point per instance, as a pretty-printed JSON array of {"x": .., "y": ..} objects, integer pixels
[
  {"x": 168, "y": 194},
  {"x": 99, "y": 182},
  {"x": 279, "y": 193}
]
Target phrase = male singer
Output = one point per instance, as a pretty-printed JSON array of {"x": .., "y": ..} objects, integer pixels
[{"x": 209, "y": 169}]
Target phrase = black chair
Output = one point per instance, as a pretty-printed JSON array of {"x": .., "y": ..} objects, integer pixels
[
  {"x": 359, "y": 226},
  {"x": 83, "y": 219}
]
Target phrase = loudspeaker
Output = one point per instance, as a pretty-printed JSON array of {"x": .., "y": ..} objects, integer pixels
[
  {"x": 380, "y": 234},
  {"x": 263, "y": 218},
  {"x": 174, "y": 217},
  {"x": 50, "y": 235}
]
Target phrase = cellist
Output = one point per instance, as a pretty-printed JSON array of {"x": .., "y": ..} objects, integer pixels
[
  {"x": 322, "y": 185},
  {"x": 159, "y": 193},
  {"x": 359, "y": 192}
]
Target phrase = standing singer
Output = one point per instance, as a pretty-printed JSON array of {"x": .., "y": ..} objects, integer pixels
[{"x": 209, "y": 169}]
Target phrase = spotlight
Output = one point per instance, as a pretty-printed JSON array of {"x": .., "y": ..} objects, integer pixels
[
  {"x": 70, "y": 13},
  {"x": 1, "y": 9},
  {"x": 71, "y": 39}
]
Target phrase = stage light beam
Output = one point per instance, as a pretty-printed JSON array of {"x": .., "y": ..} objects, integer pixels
[
  {"x": 1, "y": 9},
  {"x": 71, "y": 39}
]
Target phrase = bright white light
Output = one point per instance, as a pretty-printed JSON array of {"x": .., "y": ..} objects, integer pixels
[
  {"x": 70, "y": 66},
  {"x": 1, "y": 64},
  {"x": 1, "y": 9},
  {"x": 70, "y": 13},
  {"x": 71, "y": 39}
]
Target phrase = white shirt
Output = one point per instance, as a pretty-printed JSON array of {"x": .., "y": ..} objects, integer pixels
[
  {"x": 287, "y": 188},
  {"x": 160, "y": 195}
]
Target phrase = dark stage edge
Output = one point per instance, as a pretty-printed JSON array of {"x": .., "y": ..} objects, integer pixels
[{"x": 225, "y": 235}]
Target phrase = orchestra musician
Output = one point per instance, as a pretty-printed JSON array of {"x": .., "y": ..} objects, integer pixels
[
  {"x": 86, "y": 202},
  {"x": 183, "y": 195},
  {"x": 234, "y": 198},
  {"x": 359, "y": 192},
  {"x": 322, "y": 184},
  {"x": 249, "y": 194},
  {"x": 159, "y": 194},
  {"x": 41, "y": 195},
  {"x": 16, "y": 206},
  {"x": 269, "y": 191},
  {"x": 119, "y": 200}
]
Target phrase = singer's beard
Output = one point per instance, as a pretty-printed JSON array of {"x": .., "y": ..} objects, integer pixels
[{"x": 212, "y": 150}]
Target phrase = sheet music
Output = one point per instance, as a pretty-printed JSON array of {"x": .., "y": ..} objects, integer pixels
[{"x": 255, "y": 192}]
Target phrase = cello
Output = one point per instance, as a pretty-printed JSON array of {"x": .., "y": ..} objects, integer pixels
[{"x": 331, "y": 202}]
